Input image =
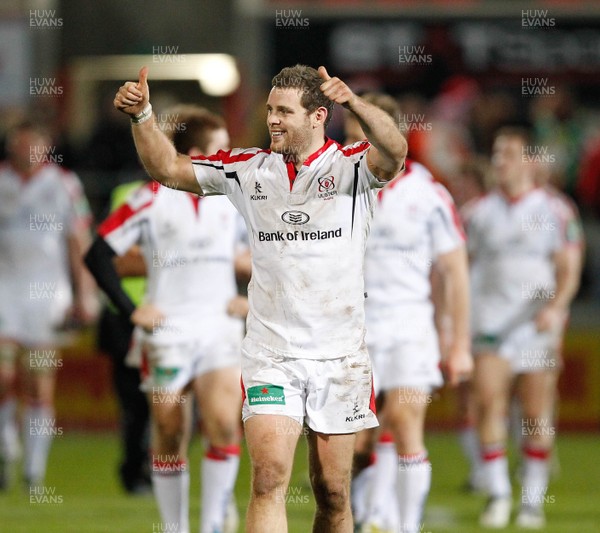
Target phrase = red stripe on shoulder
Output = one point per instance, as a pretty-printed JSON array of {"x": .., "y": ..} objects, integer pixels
[
  {"x": 118, "y": 217},
  {"x": 443, "y": 193},
  {"x": 355, "y": 149},
  {"x": 226, "y": 157},
  {"x": 408, "y": 168}
]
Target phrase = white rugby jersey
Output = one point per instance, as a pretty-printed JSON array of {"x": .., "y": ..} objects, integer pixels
[
  {"x": 415, "y": 221},
  {"x": 511, "y": 245},
  {"x": 307, "y": 235},
  {"x": 189, "y": 245},
  {"x": 36, "y": 218}
]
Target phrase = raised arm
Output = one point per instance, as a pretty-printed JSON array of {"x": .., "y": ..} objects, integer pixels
[
  {"x": 158, "y": 155},
  {"x": 388, "y": 151}
]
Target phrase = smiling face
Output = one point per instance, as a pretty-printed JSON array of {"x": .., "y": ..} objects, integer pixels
[{"x": 292, "y": 129}]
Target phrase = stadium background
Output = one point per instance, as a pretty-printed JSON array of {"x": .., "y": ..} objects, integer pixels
[{"x": 459, "y": 69}]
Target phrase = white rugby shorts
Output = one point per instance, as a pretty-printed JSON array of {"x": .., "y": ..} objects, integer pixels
[{"x": 332, "y": 396}]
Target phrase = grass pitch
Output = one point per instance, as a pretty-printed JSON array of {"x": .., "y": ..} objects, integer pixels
[{"x": 82, "y": 493}]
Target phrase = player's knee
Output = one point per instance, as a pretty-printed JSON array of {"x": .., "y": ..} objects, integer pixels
[
  {"x": 268, "y": 478},
  {"x": 170, "y": 432},
  {"x": 226, "y": 430},
  {"x": 331, "y": 495}
]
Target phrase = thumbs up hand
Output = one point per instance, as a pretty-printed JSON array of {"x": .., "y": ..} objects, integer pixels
[
  {"x": 133, "y": 97},
  {"x": 335, "y": 89}
]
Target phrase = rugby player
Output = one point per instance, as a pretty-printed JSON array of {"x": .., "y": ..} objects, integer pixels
[{"x": 307, "y": 203}]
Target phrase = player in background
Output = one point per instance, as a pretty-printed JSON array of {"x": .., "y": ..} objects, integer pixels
[
  {"x": 187, "y": 338},
  {"x": 415, "y": 232},
  {"x": 307, "y": 204},
  {"x": 44, "y": 224},
  {"x": 574, "y": 230},
  {"x": 525, "y": 263}
]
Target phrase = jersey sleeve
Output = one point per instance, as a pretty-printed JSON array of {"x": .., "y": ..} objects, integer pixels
[
  {"x": 218, "y": 173},
  {"x": 357, "y": 155},
  {"x": 445, "y": 227},
  {"x": 123, "y": 227},
  {"x": 571, "y": 228}
]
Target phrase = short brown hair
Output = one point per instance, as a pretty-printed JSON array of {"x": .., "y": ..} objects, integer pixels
[
  {"x": 308, "y": 82},
  {"x": 520, "y": 132},
  {"x": 196, "y": 124}
]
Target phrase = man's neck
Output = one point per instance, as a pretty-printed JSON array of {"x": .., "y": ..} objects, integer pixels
[
  {"x": 517, "y": 190},
  {"x": 315, "y": 146}
]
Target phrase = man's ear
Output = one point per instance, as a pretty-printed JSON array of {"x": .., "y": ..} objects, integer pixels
[{"x": 320, "y": 116}]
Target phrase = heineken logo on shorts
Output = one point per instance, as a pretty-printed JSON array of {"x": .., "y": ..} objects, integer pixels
[
  {"x": 164, "y": 375},
  {"x": 266, "y": 394}
]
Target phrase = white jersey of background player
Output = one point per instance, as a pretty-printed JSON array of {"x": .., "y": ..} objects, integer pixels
[
  {"x": 511, "y": 245},
  {"x": 524, "y": 244},
  {"x": 185, "y": 241},
  {"x": 44, "y": 221},
  {"x": 415, "y": 230}
]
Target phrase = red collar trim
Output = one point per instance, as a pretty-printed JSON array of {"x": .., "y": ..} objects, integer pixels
[
  {"x": 291, "y": 168},
  {"x": 312, "y": 157}
]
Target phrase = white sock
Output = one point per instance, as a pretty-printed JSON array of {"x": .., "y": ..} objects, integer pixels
[
  {"x": 414, "y": 481},
  {"x": 469, "y": 444},
  {"x": 383, "y": 501},
  {"x": 9, "y": 434},
  {"x": 171, "y": 484},
  {"x": 359, "y": 493},
  {"x": 218, "y": 471},
  {"x": 38, "y": 431},
  {"x": 536, "y": 471},
  {"x": 495, "y": 471}
]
